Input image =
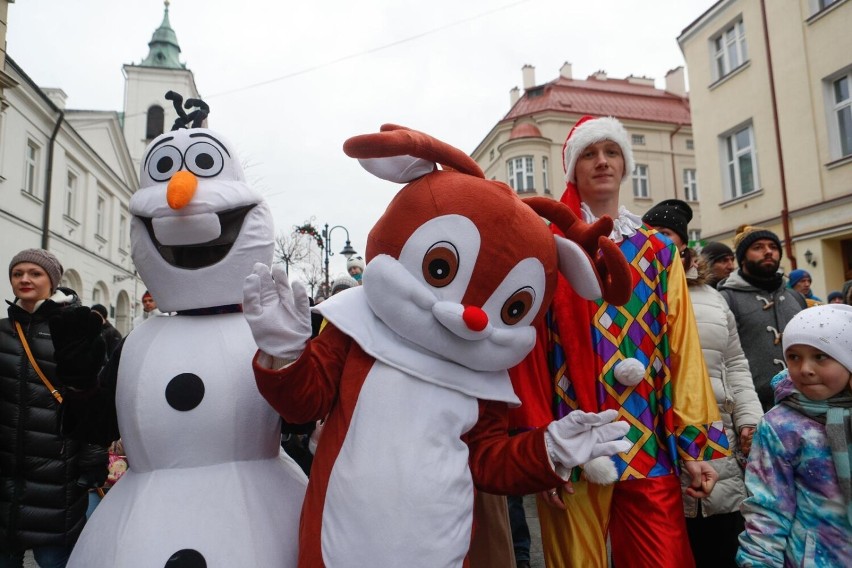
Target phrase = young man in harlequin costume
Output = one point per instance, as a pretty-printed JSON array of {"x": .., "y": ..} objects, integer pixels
[{"x": 642, "y": 359}]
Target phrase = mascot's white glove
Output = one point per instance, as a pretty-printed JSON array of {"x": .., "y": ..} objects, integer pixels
[
  {"x": 279, "y": 315},
  {"x": 582, "y": 436}
]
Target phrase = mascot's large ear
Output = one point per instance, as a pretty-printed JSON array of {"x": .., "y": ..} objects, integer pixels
[
  {"x": 587, "y": 258},
  {"x": 398, "y": 169},
  {"x": 401, "y": 155}
]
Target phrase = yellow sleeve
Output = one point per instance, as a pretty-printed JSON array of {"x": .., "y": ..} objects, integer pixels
[{"x": 696, "y": 416}]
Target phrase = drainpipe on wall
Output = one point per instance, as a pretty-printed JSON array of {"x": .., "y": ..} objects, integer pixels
[
  {"x": 671, "y": 148},
  {"x": 48, "y": 181},
  {"x": 785, "y": 212}
]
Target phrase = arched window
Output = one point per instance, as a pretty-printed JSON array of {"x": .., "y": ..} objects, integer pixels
[{"x": 155, "y": 122}]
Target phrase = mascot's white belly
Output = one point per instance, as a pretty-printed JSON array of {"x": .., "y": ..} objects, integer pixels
[
  {"x": 403, "y": 451},
  {"x": 208, "y": 484}
]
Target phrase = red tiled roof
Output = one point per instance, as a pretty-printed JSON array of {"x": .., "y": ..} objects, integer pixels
[
  {"x": 525, "y": 130},
  {"x": 610, "y": 97}
]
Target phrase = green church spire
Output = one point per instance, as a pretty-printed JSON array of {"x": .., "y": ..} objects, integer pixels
[{"x": 164, "y": 48}]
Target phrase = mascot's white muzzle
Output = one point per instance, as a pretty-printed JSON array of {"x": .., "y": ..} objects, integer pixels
[{"x": 469, "y": 323}]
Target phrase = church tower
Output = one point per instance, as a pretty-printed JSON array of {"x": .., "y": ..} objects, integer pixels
[{"x": 147, "y": 113}]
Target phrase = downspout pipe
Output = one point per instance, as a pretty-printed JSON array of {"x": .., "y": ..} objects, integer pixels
[
  {"x": 671, "y": 148},
  {"x": 785, "y": 211},
  {"x": 48, "y": 182}
]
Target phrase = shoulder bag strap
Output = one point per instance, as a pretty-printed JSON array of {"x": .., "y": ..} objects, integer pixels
[{"x": 38, "y": 371}]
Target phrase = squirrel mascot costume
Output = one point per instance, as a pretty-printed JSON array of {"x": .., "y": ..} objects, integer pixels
[
  {"x": 208, "y": 484},
  {"x": 411, "y": 375}
]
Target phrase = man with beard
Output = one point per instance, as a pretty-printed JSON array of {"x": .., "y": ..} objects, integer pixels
[{"x": 761, "y": 303}]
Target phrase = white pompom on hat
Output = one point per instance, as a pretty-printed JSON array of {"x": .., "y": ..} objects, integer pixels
[
  {"x": 827, "y": 328},
  {"x": 590, "y": 130}
]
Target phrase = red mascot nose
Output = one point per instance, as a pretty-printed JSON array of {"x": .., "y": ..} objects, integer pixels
[{"x": 475, "y": 318}]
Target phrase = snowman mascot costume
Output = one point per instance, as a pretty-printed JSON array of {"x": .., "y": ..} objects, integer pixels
[{"x": 208, "y": 484}]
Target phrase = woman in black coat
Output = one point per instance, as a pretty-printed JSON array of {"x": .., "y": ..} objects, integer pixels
[{"x": 44, "y": 476}]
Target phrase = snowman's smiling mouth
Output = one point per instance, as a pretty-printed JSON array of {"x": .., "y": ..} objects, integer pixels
[{"x": 204, "y": 254}]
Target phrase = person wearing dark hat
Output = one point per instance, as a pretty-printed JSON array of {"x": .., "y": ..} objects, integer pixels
[
  {"x": 835, "y": 297},
  {"x": 637, "y": 358},
  {"x": 720, "y": 261},
  {"x": 761, "y": 303},
  {"x": 45, "y": 476},
  {"x": 800, "y": 281},
  {"x": 714, "y": 523},
  {"x": 672, "y": 215},
  {"x": 112, "y": 337}
]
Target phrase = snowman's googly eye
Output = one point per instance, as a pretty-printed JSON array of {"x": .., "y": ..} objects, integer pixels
[
  {"x": 204, "y": 159},
  {"x": 164, "y": 162}
]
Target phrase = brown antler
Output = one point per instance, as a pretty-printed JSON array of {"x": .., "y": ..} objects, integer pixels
[
  {"x": 394, "y": 140},
  {"x": 611, "y": 266}
]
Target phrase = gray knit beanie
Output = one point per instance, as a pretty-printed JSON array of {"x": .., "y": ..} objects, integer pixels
[{"x": 43, "y": 258}]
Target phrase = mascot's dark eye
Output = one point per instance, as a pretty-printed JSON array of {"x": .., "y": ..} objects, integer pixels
[
  {"x": 440, "y": 264},
  {"x": 517, "y": 306},
  {"x": 164, "y": 162},
  {"x": 204, "y": 159}
]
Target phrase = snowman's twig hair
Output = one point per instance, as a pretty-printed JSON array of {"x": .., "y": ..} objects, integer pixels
[{"x": 196, "y": 117}]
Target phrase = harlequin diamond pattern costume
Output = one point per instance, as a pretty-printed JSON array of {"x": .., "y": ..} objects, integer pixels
[{"x": 668, "y": 399}]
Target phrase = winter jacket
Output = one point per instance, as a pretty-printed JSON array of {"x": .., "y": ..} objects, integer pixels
[
  {"x": 795, "y": 515},
  {"x": 112, "y": 337},
  {"x": 761, "y": 317},
  {"x": 735, "y": 395},
  {"x": 41, "y": 500}
]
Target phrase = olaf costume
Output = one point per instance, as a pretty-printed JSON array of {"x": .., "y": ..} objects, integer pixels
[
  {"x": 411, "y": 370},
  {"x": 208, "y": 484}
]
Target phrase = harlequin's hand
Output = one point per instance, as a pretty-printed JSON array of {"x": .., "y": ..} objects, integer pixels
[
  {"x": 279, "y": 315},
  {"x": 583, "y": 436},
  {"x": 79, "y": 348},
  {"x": 703, "y": 478}
]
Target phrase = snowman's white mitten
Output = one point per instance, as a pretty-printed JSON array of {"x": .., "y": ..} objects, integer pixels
[
  {"x": 277, "y": 313},
  {"x": 582, "y": 436}
]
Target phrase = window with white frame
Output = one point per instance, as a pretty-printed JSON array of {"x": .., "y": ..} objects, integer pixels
[
  {"x": 640, "y": 181},
  {"x": 740, "y": 162},
  {"x": 842, "y": 114},
  {"x": 820, "y": 5},
  {"x": 100, "y": 216},
  {"x": 694, "y": 236},
  {"x": 545, "y": 183},
  {"x": 122, "y": 231},
  {"x": 637, "y": 139},
  {"x": 31, "y": 168},
  {"x": 690, "y": 144},
  {"x": 730, "y": 49},
  {"x": 521, "y": 175},
  {"x": 690, "y": 185},
  {"x": 70, "y": 194}
]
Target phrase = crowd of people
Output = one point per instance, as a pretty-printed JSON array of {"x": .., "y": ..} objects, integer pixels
[{"x": 734, "y": 378}]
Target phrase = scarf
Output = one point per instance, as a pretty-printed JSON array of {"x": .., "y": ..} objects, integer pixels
[{"x": 836, "y": 414}]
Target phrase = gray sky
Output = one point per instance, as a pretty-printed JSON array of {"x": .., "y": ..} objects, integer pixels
[{"x": 288, "y": 82}]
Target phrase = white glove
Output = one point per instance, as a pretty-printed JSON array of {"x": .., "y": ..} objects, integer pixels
[
  {"x": 583, "y": 436},
  {"x": 279, "y": 316}
]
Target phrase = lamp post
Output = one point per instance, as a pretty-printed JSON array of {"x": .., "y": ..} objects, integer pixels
[{"x": 347, "y": 251}]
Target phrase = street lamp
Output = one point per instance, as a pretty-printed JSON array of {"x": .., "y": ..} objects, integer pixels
[{"x": 347, "y": 251}]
